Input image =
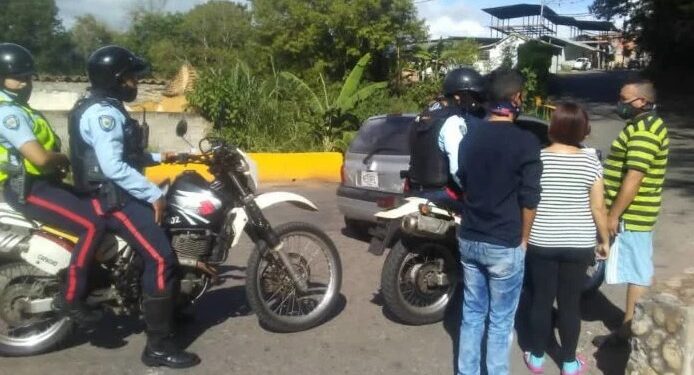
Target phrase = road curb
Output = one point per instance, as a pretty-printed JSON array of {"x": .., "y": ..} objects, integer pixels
[{"x": 272, "y": 167}]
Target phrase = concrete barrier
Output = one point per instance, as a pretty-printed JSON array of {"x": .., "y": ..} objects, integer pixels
[
  {"x": 272, "y": 167},
  {"x": 323, "y": 166}
]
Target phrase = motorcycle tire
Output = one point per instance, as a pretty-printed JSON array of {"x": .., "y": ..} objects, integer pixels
[
  {"x": 254, "y": 285},
  {"x": 396, "y": 302},
  {"x": 12, "y": 276}
]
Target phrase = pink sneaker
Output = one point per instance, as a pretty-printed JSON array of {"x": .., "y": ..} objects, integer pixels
[
  {"x": 582, "y": 367},
  {"x": 534, "y": 369}
]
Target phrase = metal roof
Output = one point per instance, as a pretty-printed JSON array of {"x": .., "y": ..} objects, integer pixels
[
  {"x": 529, "y": 10},
  {"x": 557, "y": 41}
]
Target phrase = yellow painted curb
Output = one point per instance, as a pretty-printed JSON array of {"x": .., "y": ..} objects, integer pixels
[{"x": 272, "y": 167}]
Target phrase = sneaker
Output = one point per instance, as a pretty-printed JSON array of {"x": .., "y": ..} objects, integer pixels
[
  {"x": 577, "y": 367},
  {"x": 533, "y": 363}
]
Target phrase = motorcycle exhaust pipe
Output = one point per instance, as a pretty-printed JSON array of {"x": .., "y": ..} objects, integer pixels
[
  {"x": 202, "y": 266},
  {"x": 426, "y": 226}
]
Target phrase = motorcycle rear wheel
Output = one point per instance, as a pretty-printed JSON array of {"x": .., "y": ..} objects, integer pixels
[
  {"x": 22, "y": 334},
  {"x": 271, "y": 293},
  {"x": 406, "y": 283}
]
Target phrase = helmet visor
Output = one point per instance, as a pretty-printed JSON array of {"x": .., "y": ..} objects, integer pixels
[{"x": 139, "y": 67}]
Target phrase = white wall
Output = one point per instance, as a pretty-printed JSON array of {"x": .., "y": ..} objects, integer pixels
[{"x": 496, "y": 54}]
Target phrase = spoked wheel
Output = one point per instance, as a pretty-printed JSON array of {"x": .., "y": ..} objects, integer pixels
[
  {"x": 271, "y": 292},
  {"x": 22, "y": 332},
  {"x": 417, "y": 284}
]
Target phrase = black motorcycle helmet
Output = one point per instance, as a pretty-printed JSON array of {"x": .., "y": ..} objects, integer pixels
[
  {"x": 462, "y": 80},
  {"x": 107, "y": 67},
  {"x": 469, "y": 86},
  {"x": 16, "y": 62}
]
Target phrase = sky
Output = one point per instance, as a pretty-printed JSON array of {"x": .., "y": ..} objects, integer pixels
[{"x": 443, "y": 17}]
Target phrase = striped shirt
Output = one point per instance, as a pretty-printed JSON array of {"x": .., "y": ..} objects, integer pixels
[
  {"x": 564, "y": 218},
  {"x": 643, "y": 146}
]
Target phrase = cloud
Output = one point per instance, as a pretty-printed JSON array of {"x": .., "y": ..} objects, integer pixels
[{"x": 452, "y": 18}]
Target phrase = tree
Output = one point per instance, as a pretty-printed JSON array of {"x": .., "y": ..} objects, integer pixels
[
  {"x": 88, "y": 34},
  {"x": 35, "y": 25},
  {"x": 157, "y": 37},
  {"x": 662, "y": 28},
  {"x": 464, "y": 52},
  {"x": 216, "y": 32},
  {"x": 336, "y": 113},
  {"x": 329, "y": 36}
]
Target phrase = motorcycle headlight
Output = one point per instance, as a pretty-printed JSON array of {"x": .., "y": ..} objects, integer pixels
[{"x": 250, "y": 170}]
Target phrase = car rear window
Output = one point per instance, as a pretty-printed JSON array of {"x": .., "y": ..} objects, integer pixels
[{"x": 383, "y": 135}]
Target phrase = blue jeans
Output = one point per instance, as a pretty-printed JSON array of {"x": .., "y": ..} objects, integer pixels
[{"x": 493, "y": 276}]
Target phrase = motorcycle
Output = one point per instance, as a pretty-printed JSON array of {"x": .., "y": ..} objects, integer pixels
[
  {"x": 421, "y": 274},
  {"x": 293, "y": 275}
]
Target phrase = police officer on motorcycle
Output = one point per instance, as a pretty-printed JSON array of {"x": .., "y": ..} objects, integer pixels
[
  {"x": 437, "y": 133},
  {"x": 32, "y": 172},
  {"x": 107, "y": 151}
]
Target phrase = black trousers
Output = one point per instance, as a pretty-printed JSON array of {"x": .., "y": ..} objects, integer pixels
[
  {"x": 54, "y": 204},
  {"x": 556, "y": 273},
  {"x": 134, "y": 222}
]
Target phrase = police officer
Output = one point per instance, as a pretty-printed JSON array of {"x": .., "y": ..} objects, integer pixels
[
  {"x": 437, "y": 133},
  {"x": 107, "y": 150},
  {"x": 32, "y": 170}
]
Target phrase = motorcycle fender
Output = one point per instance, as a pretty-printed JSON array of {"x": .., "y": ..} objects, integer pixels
[
  {"x": 240, "y": 221},
  {"x": 47, "y": 255},
  {"x": 411, "y": 206},
  {"x": 268, "y": 199}
]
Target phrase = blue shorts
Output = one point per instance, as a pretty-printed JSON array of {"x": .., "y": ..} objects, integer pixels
[{"x": 631, "y": 259}]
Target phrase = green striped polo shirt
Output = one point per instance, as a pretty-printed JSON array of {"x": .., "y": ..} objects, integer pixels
[{"x": 643, "y": 146}]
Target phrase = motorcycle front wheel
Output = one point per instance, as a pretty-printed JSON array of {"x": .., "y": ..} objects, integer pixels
[
  {"x": 418, "y": 281},
  {"x": 271, "y": 292},
  {"x": 23, "y": 333}
]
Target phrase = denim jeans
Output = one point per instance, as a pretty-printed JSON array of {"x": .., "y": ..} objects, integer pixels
[{"x": 493, "y": 276}]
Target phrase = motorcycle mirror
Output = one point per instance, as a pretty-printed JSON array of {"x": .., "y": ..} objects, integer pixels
[{"x": 182, "y": 128}]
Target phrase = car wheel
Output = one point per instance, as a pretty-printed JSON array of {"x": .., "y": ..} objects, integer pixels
[{"x": 357, "y": 228}]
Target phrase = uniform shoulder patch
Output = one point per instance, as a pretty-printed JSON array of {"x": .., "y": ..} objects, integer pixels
[
  {"x": 11, "y": 122},
  {"x": 107, "y": 122}
]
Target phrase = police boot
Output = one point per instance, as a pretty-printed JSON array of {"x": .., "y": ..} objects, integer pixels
[
  {"x": 160, "y": 349},
  {"x": 78, "y": 311}
]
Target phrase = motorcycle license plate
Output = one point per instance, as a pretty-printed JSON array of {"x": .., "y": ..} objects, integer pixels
[{"x": 369, "y": 179}]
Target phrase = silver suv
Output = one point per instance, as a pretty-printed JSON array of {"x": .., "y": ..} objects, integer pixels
[{"x": 371, "y": 176}]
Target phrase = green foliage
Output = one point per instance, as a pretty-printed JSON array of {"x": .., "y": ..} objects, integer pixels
[
  {"x": 329, "y": 36},
  {"x": 88, "y": 34},
  {"x": 662, "y": 28},
  {"x": 507, "y": 58},
  {"x": 464, "y": 52},
  {"x": 255, "y": 114},
  {"x": 336, "y": 115},
  {"x": 534, "y": 60},
  {"x": 35, "y": 25}
]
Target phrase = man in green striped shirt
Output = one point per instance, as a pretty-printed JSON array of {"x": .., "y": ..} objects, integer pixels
[{"x": 634, "y": 174}]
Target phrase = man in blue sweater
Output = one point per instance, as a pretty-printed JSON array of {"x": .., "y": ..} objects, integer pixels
[{"x": 499, "y": 170}]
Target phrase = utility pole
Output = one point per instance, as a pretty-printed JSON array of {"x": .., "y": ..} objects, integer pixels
[{"x": 542, "y": 20}]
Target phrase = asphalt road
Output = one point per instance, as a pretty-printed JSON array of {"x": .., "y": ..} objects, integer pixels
[{"x": 361, "y": 339}]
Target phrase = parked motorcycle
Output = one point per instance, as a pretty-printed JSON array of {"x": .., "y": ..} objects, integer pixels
[
  {"x": 421, "y": 274},
  {"x": 293, "y": 275}
]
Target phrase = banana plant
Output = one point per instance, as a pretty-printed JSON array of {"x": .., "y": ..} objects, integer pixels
[{"x": 336, "y": 112}]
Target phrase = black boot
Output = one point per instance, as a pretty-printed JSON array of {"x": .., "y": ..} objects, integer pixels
[
  {"x": 160, "y": 349},
  {"x": 78, "y": 311}
]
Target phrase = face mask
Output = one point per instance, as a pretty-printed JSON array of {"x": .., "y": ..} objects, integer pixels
[
  {"x": 626, "y": 111},
  {"x": 22, "y": 95},
  {"x": 127, "y": 94},
  {"x": 506, "y": 109}
]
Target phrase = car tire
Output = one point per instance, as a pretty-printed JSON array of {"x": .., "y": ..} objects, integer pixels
[{"x": 357, "y": 228}]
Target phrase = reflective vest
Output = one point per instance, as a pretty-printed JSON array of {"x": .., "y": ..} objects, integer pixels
[{"x": 44, "y": 134}]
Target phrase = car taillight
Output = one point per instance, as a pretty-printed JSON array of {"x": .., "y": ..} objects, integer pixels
[
  {"x": 386, "y": 202},
  {"x": 343, "y": 178},
  {"x": 406, "y": 186}
]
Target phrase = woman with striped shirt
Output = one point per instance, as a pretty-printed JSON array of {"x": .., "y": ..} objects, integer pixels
[{"x": 562, "y": 241}]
